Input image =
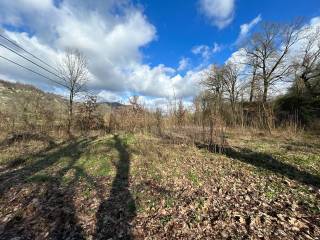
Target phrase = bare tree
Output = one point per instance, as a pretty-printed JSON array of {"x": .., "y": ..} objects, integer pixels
[
  {"x": 268, "y": 50},
  {"x": 308, "y": 65},
  {"x": 159, "y": 120},
  {"x": 180, "y": 113},
  {"x": 136, "y": 106},
  {"x": 213, "y": 81},
  {"x": 197, "y": 110},
  {"x": 211, "y": 117},
  {"x": 136, "y": 116},
  {"x": 74, "y": 71},
  {"x": 254, "y": 79},
  {"x": 230, "y": 79}
]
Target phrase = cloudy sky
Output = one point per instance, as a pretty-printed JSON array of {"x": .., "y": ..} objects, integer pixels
[{"x": 144, "y": 47}]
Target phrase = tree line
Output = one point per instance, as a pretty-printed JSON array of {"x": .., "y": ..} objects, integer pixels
[{"x": 242, "y": 92}]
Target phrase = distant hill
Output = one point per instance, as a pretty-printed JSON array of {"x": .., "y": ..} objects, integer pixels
[
  {"x": 111, "y": 104},
  {"x": 18, "y": 96},
  {"x": 15, "y": 97}
]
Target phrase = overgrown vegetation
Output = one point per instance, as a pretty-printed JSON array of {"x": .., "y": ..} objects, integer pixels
[
  {"x": 142, "y": 186},
  {"x": 241, "y": 163}
]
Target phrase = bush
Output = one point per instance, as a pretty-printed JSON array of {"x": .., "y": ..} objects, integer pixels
[{"x": 305, "y": 109}]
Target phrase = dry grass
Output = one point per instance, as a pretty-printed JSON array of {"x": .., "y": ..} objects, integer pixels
[{"x": 145, "y": 187}]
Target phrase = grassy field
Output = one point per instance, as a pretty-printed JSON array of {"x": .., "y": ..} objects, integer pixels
[{"x": 143, "y": 187}]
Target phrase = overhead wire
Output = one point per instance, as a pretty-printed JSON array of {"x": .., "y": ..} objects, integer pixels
[
  {"x": 33, "y": 62},
  {"x": 20, "y": 55},
  {"x": 23, "y": 49},
  {"x": 29, "y": 69}
]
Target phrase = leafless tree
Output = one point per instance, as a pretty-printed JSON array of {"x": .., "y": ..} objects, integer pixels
[
  {"x": 180, "y": 113},
  {"x": 74, "y": 71},
  {"x": 134, "y": 102},
  {"x": 308, "y": 65},
  {"x": 197, "y": 110},
  {"x": 268, "y": 50},
  {"x": 231, "y": 82},
  {"x": 136, "y": 115},
  {"x": 213, "y": 81},
  {"x": 254, "y": 78},
  {"x": 159, "y": 120}
]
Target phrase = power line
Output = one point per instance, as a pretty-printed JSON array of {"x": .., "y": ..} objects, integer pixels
[
  {"x": 29, "y": 69},
  {"x": 10, "y": 49},
  {"x": 50, "y": 79},
  {"x": 17, "y": 45}
]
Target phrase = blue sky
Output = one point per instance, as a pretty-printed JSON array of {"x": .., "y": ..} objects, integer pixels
[
  {"x": 151, "y": 48},
  {"x": 180, "y": 26}
]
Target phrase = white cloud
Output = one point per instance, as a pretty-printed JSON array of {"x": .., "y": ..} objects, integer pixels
[
  {"x": 308, "y": 31},
  {"x": 154, "y": 103},
  {"x": 237, "y": 57},
  {"x": 315, "y": 21},
  {"x": 111, "y": 35},
  {"x": 216, "y": 48},
  {"x": 205, "y": 51},
  {"x": 295, "y": 54},
  {"x": 219, "y": 12},
  {"x": 247, "y": 27},
  {"x": 112, "y": 96},
  {"x": 202, "y": 50},
  {"x": 183, "y": 64}
]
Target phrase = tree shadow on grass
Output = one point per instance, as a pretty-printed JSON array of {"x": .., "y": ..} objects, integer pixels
[
  {"x": 268, "y": 162},
  {"x": 116, "y": 213},
  {"x": 53, "y": 208},
  {"x": 65, "y": 224},
  {"x": 19, "y": 176},
  {"x": 22, "y": 157}
]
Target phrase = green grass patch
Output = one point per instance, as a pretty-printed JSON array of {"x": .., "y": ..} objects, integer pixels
[
  {"x": 95, "y": 165},
  {"x": 40, "y": 178},
  {"x": 169, "y": 202},
  {"x": 193, "y": 177},
  {"x": 307, "y": 199},
  {"x": 272, "y": 191},
  {"x": 128, "y": 139},
  {"x": 87, "y": 191},
  {"x": 165, "y": 219}
]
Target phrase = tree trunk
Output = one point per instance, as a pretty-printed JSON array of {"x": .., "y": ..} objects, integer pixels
[
  {"x": 252, "y": 85},
  {"x": 252, "y": 89},
  {"x": 233, "y": 99},
  {"x": 211, "y": 131},
  {"x": 264, "y": 105},
  {"x": 233, "y": 110},
  {"x": 70, "y": 119},
  {"x": 265, "y": 91},
  {"x": 203, "y": 126}
]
